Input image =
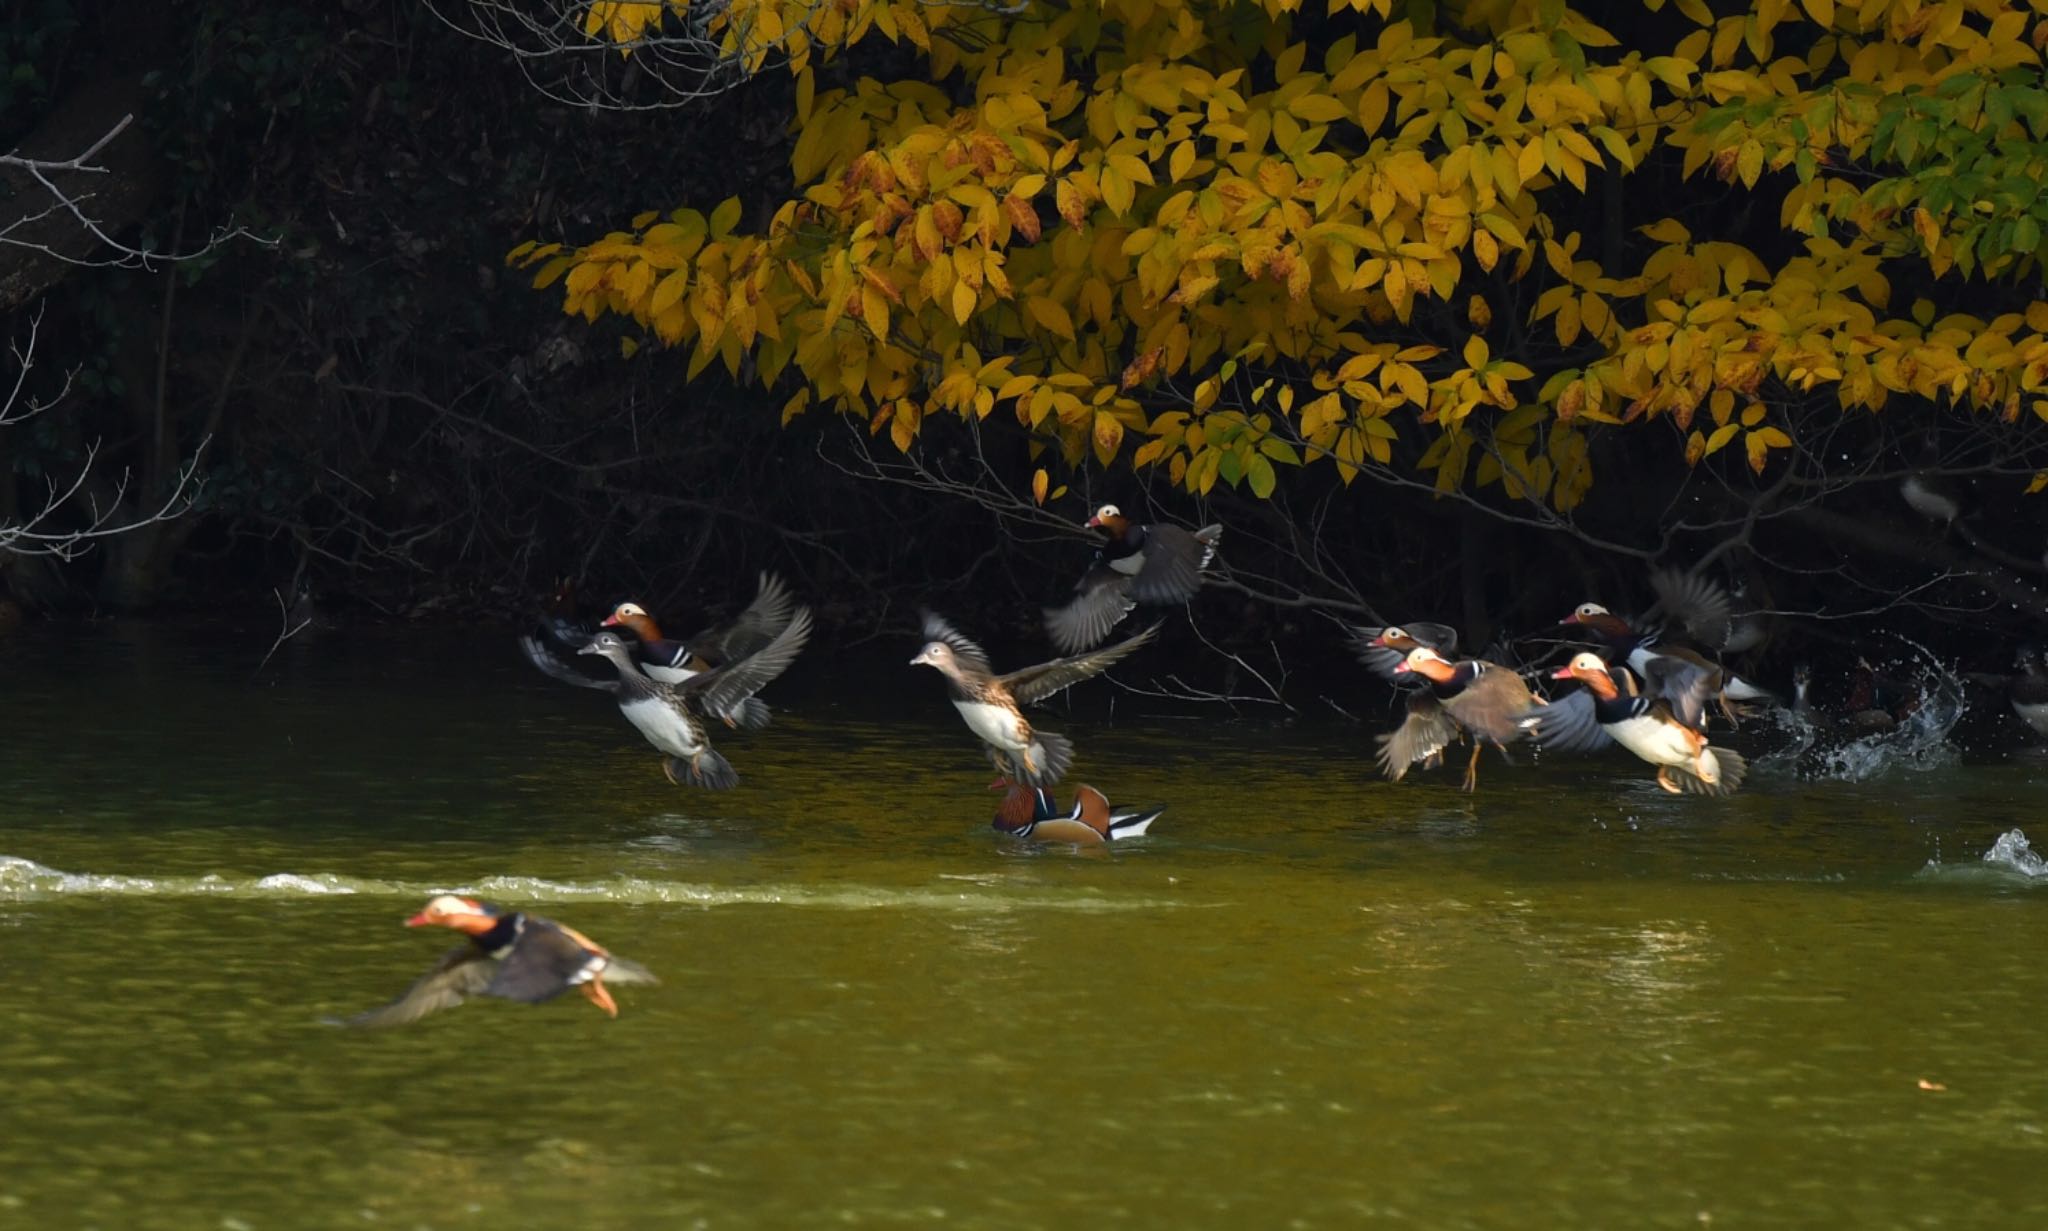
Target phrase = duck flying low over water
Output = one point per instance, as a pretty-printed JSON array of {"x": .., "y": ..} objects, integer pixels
[
  {"x": 508, "y": 954},
  {"x": 1477, "y": 698},
  {"x": 1156, "y": 565},
  {"x": 749, "y": 632},
  {"x": 992, "y": 704},
  {"x": 1384, "y": 650},
  {"x": 661, "y": 712},
  {"x": 1612, "y": 710},
  {"x": 1030, "y": 812},
  {"x": 1685, "y": 678}
]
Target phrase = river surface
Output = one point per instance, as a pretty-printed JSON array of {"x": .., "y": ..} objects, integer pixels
[{"x": 1310, "y": 999}]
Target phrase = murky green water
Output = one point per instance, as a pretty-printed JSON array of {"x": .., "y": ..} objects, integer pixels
[{"x": 1311, "y": 999}]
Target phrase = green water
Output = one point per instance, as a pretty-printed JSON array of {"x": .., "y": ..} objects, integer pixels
[{"x": 1311, "y": 999}]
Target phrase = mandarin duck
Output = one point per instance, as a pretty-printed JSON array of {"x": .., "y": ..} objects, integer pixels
[
  {"x": 1612, "y": 710},
  {"x": 1383, "y": 650},
  {"x": 1477, "y": 698},
  {"x": 508, "y": 954},
  {"x": 661, "y": 712},
  {"x": 672, "y": 662},
  {"x": 1157, "y": 565},
  {"x": 1029, "y": 812},
  {"x": 991, "y": 703},
  {"x": 1670, "y": 671}
]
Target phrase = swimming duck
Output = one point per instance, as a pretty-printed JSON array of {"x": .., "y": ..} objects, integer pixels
[
  {"x": 1611, "y": 709},
  {"x": 1029, "y": 812},
  {"x": 661, "y": 712},
  {"x": 508, "y": 954},
  {"x": 1477, "y": 698},
  {"x": 1670, "y": 671},
  {"x": 1157, "y": 565},
  {"x": 992, "y": 703}
]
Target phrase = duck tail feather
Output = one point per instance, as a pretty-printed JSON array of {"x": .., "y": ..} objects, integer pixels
[
  {"x": 1054, "y": 755},
  {"x": 1132, "y": 822},
  {"x": 710, "y": 771},
  {"x": 750, "y": 715}
]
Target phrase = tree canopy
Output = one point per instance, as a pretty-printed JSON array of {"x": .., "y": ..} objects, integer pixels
[{"x": 1229, "y": 239}]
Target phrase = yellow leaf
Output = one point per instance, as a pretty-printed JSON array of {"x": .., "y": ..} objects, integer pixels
[
  {"x": 1050, "y": 314},
  {"x": 1822, "y": 11},
  {"x": 1040, "y": 481},
  {"x": 1722, "y": 435},
  {"x": 1318, "y": 109},
  {"x": 2039, "y": 482},
  {"x": 1475, "y": 352},
  {"x": 1132, "y": 168},
  {"x": 668, "y": 291},
  {"x": 1109, "y": 433},
  {"x": 1753, "y": 414},
  {"x": 874, "y": 310},
  {"x": 1183, "y": 160}
]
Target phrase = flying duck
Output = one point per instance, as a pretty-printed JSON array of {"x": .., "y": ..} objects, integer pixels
[
  {"x": 508, "y": 954},
  {"x": 661, "y": 712},
  {"x": 1029, "y": 812},
  {"x": 1611, "y": 709},
  {"x": 1670, "y": 671},
  {"x": 1383, "y": 650},
  {"x": 992, "y": 703},
  {"x": 672, "y": 662},
  {"x": 1157, "y": 565},
  {"x": 1474, "y": 697}
]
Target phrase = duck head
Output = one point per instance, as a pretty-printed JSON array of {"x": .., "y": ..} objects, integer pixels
[
  {"x": 937, "y": 654},
  {"x": 1426, "y": 663},
  {"x": 635, "y": 617},
  {"x": 610, "y": 644},
  {"x": 462, "y": 914},
  {"x": 1109, "y": 518},
  {"x": 1589, "y": 669},
  {"x": 1396, "y": 638}
]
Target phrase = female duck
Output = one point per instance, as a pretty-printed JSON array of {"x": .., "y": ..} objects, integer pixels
[
  {"x": 1157, "y": 565},
  {"x": 1477, "y": 698},
  {"x": 511, "y": 955},
  {"x": 1610, "y": 710},
  {"x": 661, "y": 712},
  {"x": 992, "y": 704}
]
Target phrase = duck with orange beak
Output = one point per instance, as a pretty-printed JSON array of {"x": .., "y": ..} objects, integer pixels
[
  {"x": 1477, "y": 698},
  {"x": 1030, "y": 812},
  {"x": 508, "y": 954},
  {"x": 1613, "y": 710}
]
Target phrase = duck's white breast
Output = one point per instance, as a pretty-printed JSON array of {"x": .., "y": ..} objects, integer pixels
[
  {"x": 992, "y": 723},
  {"x": 663, "y": 727}
]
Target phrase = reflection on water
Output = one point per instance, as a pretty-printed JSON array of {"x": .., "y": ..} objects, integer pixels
[{"x": 1310, "y": 998}]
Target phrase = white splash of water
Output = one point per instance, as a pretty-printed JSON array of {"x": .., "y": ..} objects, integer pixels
[
  {"x": 2012, "y": 853},
  {"x": 24, "y": 880},
  {"x": 1919, "y": 743}
]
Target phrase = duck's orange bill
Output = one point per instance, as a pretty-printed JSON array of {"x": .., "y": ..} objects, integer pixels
[
  {"x": 418, "y": 921},
  {"x": 1563, "y": 673}
]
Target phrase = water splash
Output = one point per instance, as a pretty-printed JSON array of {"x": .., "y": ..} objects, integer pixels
[
  {"x": 24, "y": 880},
  {"x": 1919, "y": 742},
  {"x": 2012, "y": 853},
  {"x": 2011, "y": 858}
]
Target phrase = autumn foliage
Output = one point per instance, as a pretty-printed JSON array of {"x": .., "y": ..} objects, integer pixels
[{"x": 1226, "y": 239}]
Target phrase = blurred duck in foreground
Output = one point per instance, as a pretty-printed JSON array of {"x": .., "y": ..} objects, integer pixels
[
  {"x": 508, "y": 954},
  {"x": 1030, "y": 812}
]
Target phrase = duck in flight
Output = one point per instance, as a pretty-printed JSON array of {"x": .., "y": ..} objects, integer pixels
[{"x": 1159, "y": 565}]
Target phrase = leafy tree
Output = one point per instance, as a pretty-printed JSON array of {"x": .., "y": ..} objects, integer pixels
[{"x": 1455, "y": 245}]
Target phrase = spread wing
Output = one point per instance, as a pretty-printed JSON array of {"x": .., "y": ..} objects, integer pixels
[
  {"x": 545, "y": 962},
  {"x": 1034, "y": 684},
  {"x": 461, "y": 973},
  {"x": 1567, "y": 724},
  {"x": 968, "y": 654},
  {"x": 1694, "y": 602},
  {"x": 1423, "y": 735},
  {"x": 1685, "y": 683},
  {"x": 1102, "y": 598},
  {"x": 1493, "y": 704},
  {"x": 1382, "y": 659},
  {"x": 752, "y": 630},
  {"x": 540, "y": 656},
  {"x": 1174, "y": 560},
  {"x": 722, "y": 690}
]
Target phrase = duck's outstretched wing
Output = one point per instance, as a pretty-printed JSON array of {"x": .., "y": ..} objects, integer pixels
[
  {"x": 1695, "y": 603},
  {"x": 462, "y": 972},
  {"x": 723, "y": 691},
  {"x": 1174, "y": 560},
  {"x": 1033, "y": 684},
  {"x": 1567, "y": 724},
  {"x": 965, "y": 651},
  {"x": 1101, "y": 600},
  {"x": 752, "y": 630},
  {"x": 1422, "y": 736},
  {"x": 542, "y": 657}
]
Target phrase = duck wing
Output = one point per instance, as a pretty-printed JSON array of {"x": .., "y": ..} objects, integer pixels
[
  {"x": 1101, "y": 600},
  {"x": 753, "y": 629},
  {"x": 724, "y": 690},
  {"x": 1567, "y": 724},
  {"x": 547, "y": 960},
  {"x": 1174, "y": 560},
  {"x": 542, "y": 657},
  {"x": 1684, "y": 681},
  {"x": 462, "y": 972},
  {"x": 1424, "y": 734},
  {"x": 1493, "y": 704},
  {"x": 1696, "y": 603},
  {"x": 1382, "y": 659},
  {"x": 970, "y": 656},
  {"x": 1030, "y": 685}
]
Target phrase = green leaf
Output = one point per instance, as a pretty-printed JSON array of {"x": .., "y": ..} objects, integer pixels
[{"x": 1260, "y": 472}]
